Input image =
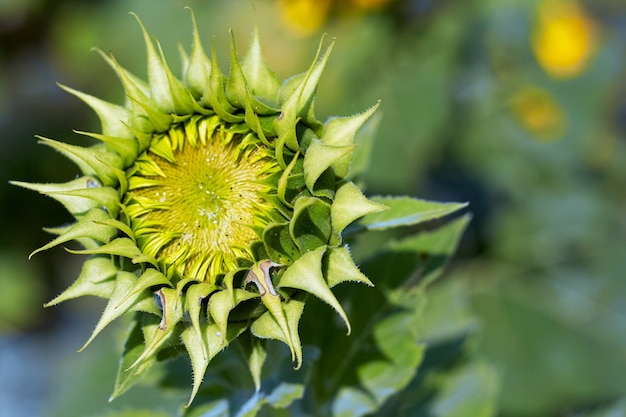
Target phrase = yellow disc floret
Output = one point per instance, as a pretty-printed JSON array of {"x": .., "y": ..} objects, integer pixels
[{"x": 195, "y": 200}]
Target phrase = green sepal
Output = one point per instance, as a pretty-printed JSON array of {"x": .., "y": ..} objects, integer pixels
[
  {"x": 113, "y": 118},
  {"x": 325, "y": 186},
  {"x": 122, "y": 246},
  {"x": 299, "y": 104},
  {"x": 259, "y": 274},
  {"x": 279, "y": 245},
  {"x": 262, "y": 126},
  {"x": 216, "y": 341},
  {"x": 364, "y": 141},
  {"x": 229, "y": 278},
  {"x": 310, "y": 225},
  {"x": 89, "y": 160},
  {"x": 96, "y": 278},
  {"x": 85, "y": 242},
  {"x": 216, "y": 99},
  {"x": 146, "y": 166},
  {"x": 261, "y": 79},
  {"x": 126, "y": 148},
  {"x": 283, "y": 181},
  {"x": 150, "y": 278},
  {"x": 73, "y": 204},
  {"x": 267, "y": 327},
  {"x": 122, "y": 227},
  {"x": 133, "y": 347},
  {"x": 221, "y": 304},
  {"x": 340, "y": 131},
  {"x": 172, "y": 305},
  {"x": 128, "y": 293},
  {"x": 147, "y": 117},
  {"x": 237, "y": 89},
  {"x": 198, "y": 71},
  {"x": 87, "y": 227},
  {"x": 106, "y": 197},
  {"x": 349, "y": 205},
  {"x": 319, "y": 157},
  {"x": 122, "y": 73},
  {"x": 195, "y": 295},
  {"x": 286, "y": 138},
  {"x": 306, "y": 274},
  {"x": 339, "y": 267},
  {"x": 183, "y": 101},
  {"x": 161, "y": 146},
  {"x": 160, "y": 91},
  {"x": 160, "y": 122}
]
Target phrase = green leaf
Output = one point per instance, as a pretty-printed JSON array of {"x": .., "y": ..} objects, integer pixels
[
  {"x": 280, "y": 386},
  {"x": 134, "y": 412},
  {"x": 404, "y": 266},
  {"x": 134, "y": 346},
  {"x": 470, "y": 391},
  {"x": 380, "y": 378},
  {"x": 615, "y": 409},
  {"x": 452, "y": 379},
  {"x": 404, "y": 211}
]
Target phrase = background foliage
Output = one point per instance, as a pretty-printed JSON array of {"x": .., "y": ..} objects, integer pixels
[{"x": 482, "y": 101}]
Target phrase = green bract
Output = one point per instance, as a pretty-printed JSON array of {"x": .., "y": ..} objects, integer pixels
[{"x": 212, "y": 206}]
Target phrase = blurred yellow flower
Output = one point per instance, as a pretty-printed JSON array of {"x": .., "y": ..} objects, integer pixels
[
  {"x": 564, "y": 38},
  {"x": 369, "y": 4},
  {"x": 304, "y": 17},
  {"x": 538, "y": 113}
]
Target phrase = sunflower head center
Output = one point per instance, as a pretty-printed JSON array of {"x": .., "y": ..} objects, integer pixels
[{"x": 195, "y": 205}]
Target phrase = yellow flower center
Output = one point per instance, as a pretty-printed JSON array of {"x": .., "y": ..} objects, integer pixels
[{"x": 195, "y": 206}]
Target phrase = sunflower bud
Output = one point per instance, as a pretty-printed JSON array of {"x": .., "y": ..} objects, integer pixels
[{"x": 211, "y": 207}]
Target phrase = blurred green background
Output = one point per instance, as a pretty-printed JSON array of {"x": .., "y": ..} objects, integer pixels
[{"x": 517, "y": 106}]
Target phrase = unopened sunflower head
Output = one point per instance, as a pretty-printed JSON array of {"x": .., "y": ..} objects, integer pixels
[{"x": 211, "y": 206}]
